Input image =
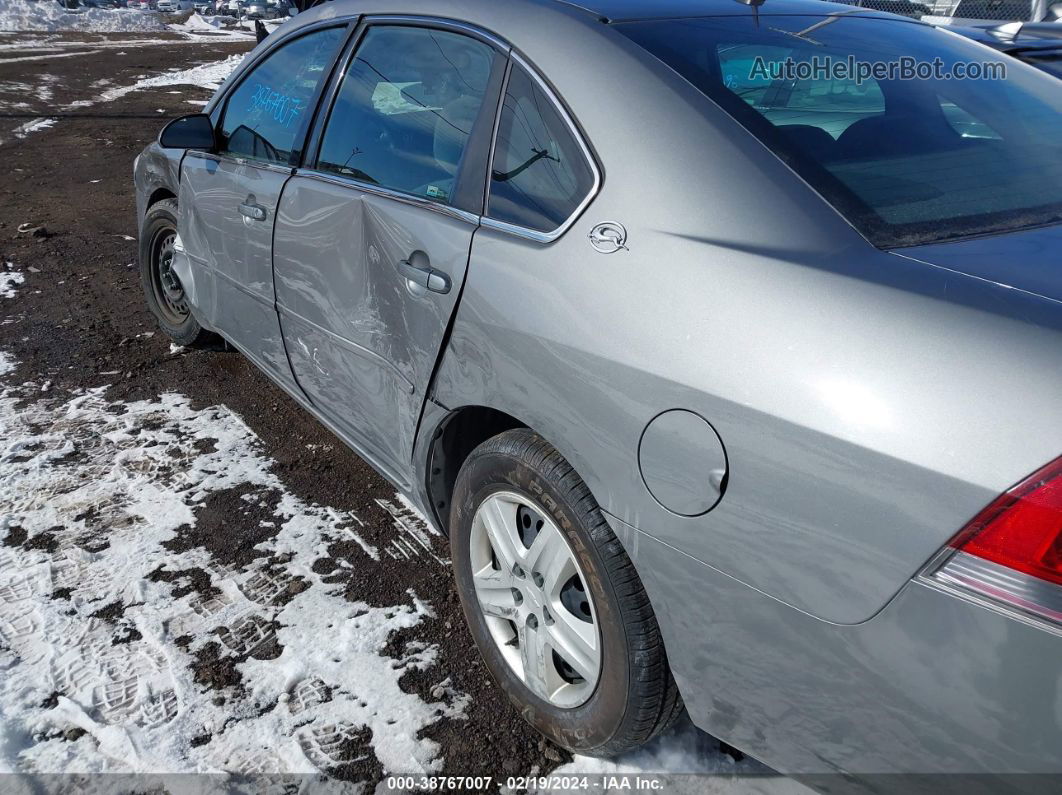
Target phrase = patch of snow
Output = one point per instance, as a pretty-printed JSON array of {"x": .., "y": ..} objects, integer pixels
[
  {"x": 23, "y": 15},
  {"x": 107, "y": 485},
  {"x": 47, "y": 84},
  {"x": 32, "y": 126},
  {"x": 212, "y": 27},
  {"x": 413, "y": 531},
  {"x": 21, "y": 59},
  {"x": 9, "y": 277},
  {"x": 7, "y": 364},
  {"x": 209, "y": 76},
  {"x": 413, "y": 510}
]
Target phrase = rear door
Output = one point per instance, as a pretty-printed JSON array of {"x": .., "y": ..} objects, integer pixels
[
  {"x": 372, "y": 238},
  {"x": 228, "y": 199}
]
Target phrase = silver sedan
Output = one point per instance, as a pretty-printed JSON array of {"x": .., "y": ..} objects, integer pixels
[{"x": 736, "y": 383}]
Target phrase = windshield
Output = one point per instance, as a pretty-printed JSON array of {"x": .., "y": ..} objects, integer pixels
[{"x": 906, "y": 161}]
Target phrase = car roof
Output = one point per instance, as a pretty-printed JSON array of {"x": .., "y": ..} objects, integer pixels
[
  {"x": 627, "y": 10},
  {"x": 542, "y": 20},
  {"x": 603, "y": 10}
]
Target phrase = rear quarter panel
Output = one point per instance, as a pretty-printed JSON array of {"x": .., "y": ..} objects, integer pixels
[{"x": 869, "y": 405}]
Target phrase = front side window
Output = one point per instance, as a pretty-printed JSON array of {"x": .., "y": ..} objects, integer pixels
[
  {"x": 540, "y": 175},
  {"x": 266, "y": 113},
  {"x": 906, "y": 161},
  {"x": 406, "y": 109}
]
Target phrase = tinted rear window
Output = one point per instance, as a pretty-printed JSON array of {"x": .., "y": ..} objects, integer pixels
[{"x": 905, "y": 161}]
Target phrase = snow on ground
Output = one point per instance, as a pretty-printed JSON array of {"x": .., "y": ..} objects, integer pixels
[
  {"x": 107, "y": 486},
  {"x": 209, "y": 76},
  {"x": 199, "y": 26},
  {"x": 24, "y": 15},
  {"x": 32, "y": 126},
  {"x": 106, "y": 615},
  {"x": 9, "y": 279}
]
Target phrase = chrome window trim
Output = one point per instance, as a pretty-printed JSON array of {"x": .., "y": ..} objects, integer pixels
[
  {"x": 388, "y": 193},
  {"x": 558, "y": 107},
  {"x": 265, "y": 165}
]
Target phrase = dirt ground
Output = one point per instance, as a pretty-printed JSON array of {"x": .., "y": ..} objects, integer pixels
[{"x": 80, "y": 315}]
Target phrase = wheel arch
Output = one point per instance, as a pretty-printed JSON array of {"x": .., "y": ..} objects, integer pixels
[
  {"x": 460, "y": 432},
  {"x": 159, "y": 194},
  {"x": 455, "y": 436}
]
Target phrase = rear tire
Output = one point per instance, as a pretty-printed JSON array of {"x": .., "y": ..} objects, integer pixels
[
  {"x": 162, "y": 288},
  {"x": 518, "y": 481}
]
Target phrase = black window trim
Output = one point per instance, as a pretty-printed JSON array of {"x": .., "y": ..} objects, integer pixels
[
  {"x": 517, "y": 60},
  {"x": 307, "y": 168},
  {"x": 217, "y": 112}
]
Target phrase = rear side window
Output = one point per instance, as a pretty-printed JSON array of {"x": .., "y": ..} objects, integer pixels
[
  {"x": 906, "y": 161},
  {"x": 540, "y": 174},
  {"x": 406, "y": 110},
  {"x": 270, "y": 107}
]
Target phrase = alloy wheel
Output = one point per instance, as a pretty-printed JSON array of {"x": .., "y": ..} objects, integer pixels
[{"x": 534, "y": 599}]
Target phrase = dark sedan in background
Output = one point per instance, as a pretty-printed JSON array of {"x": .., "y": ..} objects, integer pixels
[{"x": 1035, "y": 43}]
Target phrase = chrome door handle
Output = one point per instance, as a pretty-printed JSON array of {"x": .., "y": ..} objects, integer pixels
[
  {"x": 429, "y": 278},
  {"x": 255, "y": 212}
]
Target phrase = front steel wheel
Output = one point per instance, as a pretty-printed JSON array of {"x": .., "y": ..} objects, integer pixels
[
  {"x": 169, "y": 293},
  {"x": 554, "y": 604},
  {"x": 163, "y": 290}
]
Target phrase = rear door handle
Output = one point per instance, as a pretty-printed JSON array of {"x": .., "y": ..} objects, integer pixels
[
  {"x": 429, "y": 278},
  {"x": 255, "y": 212}
]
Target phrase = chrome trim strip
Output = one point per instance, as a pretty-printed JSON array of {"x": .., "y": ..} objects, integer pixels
[
  {"x": 349, "y": 345},
  {"x": 388, "y": 193},
  {"x": 558, "y": 106},
  {"x": 226, "y": 157},
  {"x": 1012, "y": 589}
]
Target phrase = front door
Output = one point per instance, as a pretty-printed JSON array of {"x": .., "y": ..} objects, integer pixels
[
  {"x": 228, "y": 199},
  {"x": 372, "y": 240}
]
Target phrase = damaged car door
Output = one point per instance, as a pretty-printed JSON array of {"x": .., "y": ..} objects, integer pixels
[{"x": 373, "y": 233}]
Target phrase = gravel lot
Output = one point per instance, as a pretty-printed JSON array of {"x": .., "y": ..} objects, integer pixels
[{"x": 194, "y": 575}]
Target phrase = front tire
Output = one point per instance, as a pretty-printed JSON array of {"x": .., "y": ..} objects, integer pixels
[
  {"x": 554, "y": 603},
  {"x": 162, "y": 289}
]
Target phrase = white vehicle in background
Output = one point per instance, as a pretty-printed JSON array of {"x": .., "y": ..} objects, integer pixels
[{"x": 173, "y": 6}]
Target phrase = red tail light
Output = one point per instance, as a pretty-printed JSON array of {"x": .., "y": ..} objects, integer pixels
[{"x": 1011, "y": 552}]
